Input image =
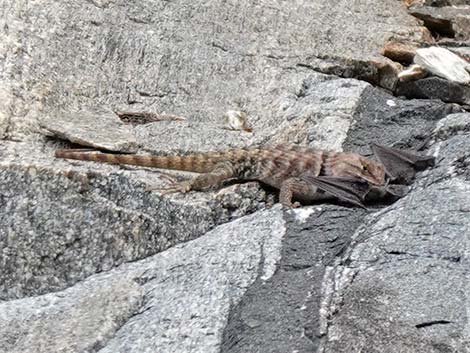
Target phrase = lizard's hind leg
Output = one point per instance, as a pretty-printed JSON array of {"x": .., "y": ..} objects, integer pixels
[{"x": 221, "y": 172}]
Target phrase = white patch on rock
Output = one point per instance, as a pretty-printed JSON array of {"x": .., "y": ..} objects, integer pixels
[
  {"x": 391, "y": 103},
  {"x": 302, "y": 214}
]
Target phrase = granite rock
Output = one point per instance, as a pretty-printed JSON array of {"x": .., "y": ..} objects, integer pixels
[
  {"x": 93, "y": 262},
  {"x": 158, "y": 56},
  {"x": 176, "y": 301}
]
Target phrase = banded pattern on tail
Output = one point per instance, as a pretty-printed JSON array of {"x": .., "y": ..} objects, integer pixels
[{"x": 198, "y": 163}]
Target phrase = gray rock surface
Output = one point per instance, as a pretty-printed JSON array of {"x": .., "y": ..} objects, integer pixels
[
  {"x": 61, "y": 223},
  {"x": 453, "y": 124},
  {"x": 176, "y": 301},
  {"x": 450, "y": 21},
  {"x": 303, "y": 113},
  {"x": 158, "y": 56},
  {"x": 91, "y": 261}
]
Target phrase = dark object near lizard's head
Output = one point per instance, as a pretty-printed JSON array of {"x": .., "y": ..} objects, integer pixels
[
  {"x": 401, "y": 166},
  {"x": 355, "y": 178}
]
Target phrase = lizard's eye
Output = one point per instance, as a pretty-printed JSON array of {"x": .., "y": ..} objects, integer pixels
[{"x": 365, "y": 168}]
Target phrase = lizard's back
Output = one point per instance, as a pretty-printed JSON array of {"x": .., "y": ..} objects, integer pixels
[{"x": 270, "y": 165}]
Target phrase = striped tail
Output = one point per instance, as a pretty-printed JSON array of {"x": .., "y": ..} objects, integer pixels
[{"x": 198, "y": 163}]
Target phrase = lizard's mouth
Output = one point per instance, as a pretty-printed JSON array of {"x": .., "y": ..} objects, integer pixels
[{"x": 379, "y": 182}]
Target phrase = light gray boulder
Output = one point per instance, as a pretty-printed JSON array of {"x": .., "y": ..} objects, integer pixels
[{"x": 176, "y": 301}]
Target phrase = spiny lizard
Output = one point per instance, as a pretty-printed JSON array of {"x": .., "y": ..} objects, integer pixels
[{"x": 293, "y": 170}]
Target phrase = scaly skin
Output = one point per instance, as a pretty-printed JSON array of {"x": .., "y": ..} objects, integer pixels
[{"x": 285, "y": 167}]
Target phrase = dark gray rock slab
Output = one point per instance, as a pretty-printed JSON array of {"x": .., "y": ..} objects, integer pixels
[
  {"x": 402, "y": 285},
  {"x": 435, "y": 88},
  {"x": 453, "y": 124},
  {"x": 393, "y": 121},
  {"x": 285, "y": 313}
]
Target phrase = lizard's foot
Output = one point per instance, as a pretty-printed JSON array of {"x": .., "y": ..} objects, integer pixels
[
  {"x": 296, "y": 204},
  {"x": 181, "y": 187}
]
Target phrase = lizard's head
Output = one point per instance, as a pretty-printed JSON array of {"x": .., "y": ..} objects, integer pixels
[{"x": 360, "y": 167}]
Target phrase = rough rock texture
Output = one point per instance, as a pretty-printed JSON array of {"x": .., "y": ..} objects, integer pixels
[
  {"x": 318, "y": 278},
  {"x": 75, "y": 126},
  {"x": 435, "y": 88},
  {"x": 60, "y": 223},
  {"x": 111, "y": 218},
  {"x": 405, "y": 278},
  {"x": 301, "y": 113},
  {"x": 449, "y": 21},
  {"x": 195, "y": 59},
  {"x": 176, "y": 301},
  {"x": 91, "y": 261}
]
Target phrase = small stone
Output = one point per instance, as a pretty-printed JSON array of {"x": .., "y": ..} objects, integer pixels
[
  {"x": 387, "y": 73},
  {"x": 443, "y": 63},
  {"x": 92, "y": 128},
  {"x": 400, "y": 52},
  {"x": 237, "y": 120},
  {"x": 410, "y": 3}
]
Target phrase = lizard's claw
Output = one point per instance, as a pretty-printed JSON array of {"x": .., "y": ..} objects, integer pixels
[{"x": 296, "y": 204}]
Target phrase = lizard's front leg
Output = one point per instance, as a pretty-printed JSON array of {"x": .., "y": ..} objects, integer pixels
[
  {"x": 221, "y": 172},
  {"x": 293, "y": 187}
]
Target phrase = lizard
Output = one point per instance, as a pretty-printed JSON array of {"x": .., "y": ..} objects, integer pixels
[{"x": 299, "y": 173}]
